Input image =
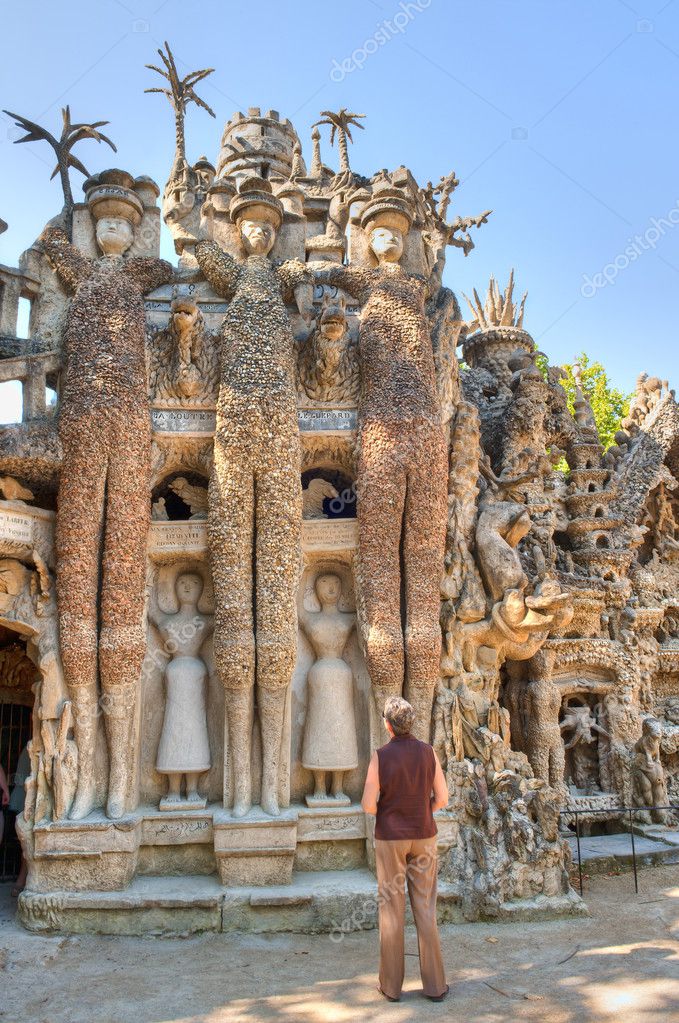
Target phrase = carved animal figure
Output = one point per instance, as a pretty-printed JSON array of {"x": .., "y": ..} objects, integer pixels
[
  {"x": 328, "y": 363},
  {"x": 318, "y": 491},
  {"x": 194, "y": 497},
  {"x": 184, "y": 358},
  {"x": 499, "y": 528},
  {"x": 12, "y": 490}
]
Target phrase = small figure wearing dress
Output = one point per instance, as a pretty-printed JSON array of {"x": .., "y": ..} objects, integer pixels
[
  {"x": 184, "y": 749},
  {"x": 329, "y": 744}
]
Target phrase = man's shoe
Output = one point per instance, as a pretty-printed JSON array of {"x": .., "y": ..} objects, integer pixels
[
  {"x": 388, "y": 997},
  {"x": 439, "y": 998}
]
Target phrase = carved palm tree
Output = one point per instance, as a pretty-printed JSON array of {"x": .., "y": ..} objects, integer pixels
[
  {"x": 180, "y": 94},
  {"x": 70, "y": 135},
  {"x": 341, "y": 124}
]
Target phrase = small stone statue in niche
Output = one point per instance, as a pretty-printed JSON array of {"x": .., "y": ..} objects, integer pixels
[
  {"x": 330, "y": 729},
  {"x": 648, "y": 775},
  {"x": 184, "y": 749},
  {"x": 184, "y": 358},
  {"x": 328, "y": 360},
  {"x": 583, "y": 743}
]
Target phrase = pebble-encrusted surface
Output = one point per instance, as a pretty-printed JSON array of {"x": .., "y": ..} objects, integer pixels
[
  {"x": 255, "y": 491},
  {"x": 401, "y": 484},
  {"x": 104, "y": 490}
]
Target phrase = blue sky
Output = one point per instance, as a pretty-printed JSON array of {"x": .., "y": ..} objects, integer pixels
[{"x": 560, "y": 115}]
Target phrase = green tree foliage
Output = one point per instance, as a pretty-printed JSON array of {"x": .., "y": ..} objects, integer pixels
[{"x": 609, "y": 404}]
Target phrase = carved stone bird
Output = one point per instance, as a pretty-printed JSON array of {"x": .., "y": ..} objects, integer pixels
[
  {"x": 12, "y": 490},
  {"x": 313, "y": 497},
  {"x": 195, "y": 497}
]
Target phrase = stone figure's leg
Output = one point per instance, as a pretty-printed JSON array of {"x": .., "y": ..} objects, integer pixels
[
  {"x": 80, "y": 516},
  {"x": 319, "y": 785},
  {"x": 557, "y": 765},
  {"x": 337, "y": 779},
  {"x": 539, "y": 758},
  {"x": 231, "y": 532},
  {"x": 424, "y": 539},
  {"x": 380, "y": 499},
  {"x": 174, "y": 785},
  {"x": 278, "y": 553},
  {"x": 192, "y": 793},
  {"x": 123, "y": 641}
]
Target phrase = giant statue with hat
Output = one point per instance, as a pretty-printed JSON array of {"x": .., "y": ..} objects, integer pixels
[
  {"x": 103, "y": 501},
  {"x": 285, "y": 408},
  {"x": 402, "y": 460},
  {"x": 255, "y": 502}
]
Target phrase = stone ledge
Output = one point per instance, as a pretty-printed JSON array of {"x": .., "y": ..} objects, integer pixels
[
  {"x": 332, "y": 902},
  {"x": 602, "y": 854}
]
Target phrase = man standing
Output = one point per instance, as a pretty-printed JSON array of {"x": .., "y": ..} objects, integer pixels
[{"x": 403, "y": 788}]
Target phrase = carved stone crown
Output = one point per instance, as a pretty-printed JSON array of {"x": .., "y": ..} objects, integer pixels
[
  {"x": 256, "y": 192},
  {"x": 111, "y": 194},
  {"x": 387, "y": 207}
]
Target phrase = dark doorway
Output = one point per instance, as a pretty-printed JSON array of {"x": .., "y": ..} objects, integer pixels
[{"x": 15, "y": 731}]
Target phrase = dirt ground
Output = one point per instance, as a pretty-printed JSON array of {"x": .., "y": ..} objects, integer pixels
[{"x": 621, "y": 964}]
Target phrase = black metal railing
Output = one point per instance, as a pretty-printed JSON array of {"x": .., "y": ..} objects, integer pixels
[{"x": 617, "y": 811}]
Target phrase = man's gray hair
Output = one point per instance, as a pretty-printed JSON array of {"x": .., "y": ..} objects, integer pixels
[{"x": 399, "y": 714}]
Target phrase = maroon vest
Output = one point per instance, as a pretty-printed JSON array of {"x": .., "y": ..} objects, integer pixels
[{"x": 406, "y": 770}]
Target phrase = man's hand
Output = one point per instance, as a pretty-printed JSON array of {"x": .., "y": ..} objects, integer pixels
[
  {"x": 440, "y": 798},
  {"x": 371, "y": 789}
]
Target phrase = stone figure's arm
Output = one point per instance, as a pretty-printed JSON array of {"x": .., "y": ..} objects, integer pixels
[
  {"x": 221, "y": 269},
  {"x": 296, "y": 280},
  {"x": 355, "y": 280},
  {"x": 304, "y": 618},
  {"x": 155, "y": 615},
  {"x": 70, "y": 264},
  {"x": 148, "y": 273}
]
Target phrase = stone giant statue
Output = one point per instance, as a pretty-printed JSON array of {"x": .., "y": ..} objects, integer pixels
[
  {"x": 255, "y": 508},
  {"x": 402, "y": 465},
  {"x": 105, "y": 485}
]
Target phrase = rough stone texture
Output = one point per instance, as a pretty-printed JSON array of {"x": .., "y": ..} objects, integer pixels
[
  {"x": 255, "y": 505},
  {"x": 355, "y": 468},
  {"x": 104, "y": 487}
]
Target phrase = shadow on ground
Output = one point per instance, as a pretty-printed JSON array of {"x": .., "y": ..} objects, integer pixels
[{"x": 621, "y": 965}]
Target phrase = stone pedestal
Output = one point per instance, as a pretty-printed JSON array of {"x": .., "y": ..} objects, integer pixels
[
  {"x": 255, "y": 849},
  {"x": 95, "y": 854}
]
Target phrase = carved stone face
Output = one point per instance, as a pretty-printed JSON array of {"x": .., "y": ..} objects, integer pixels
[
  {"x": 333, "y": 330},
  {"x": 386, "y": 244},
  {"x": 188, "y": 587},
  {"x": 258, "y": 237},
  {"x": 114, "y": 235},
  {"x": 184, "y": 319},
  {"x": 328, "y": 588}
]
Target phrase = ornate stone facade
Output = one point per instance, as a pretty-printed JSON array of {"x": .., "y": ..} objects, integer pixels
[{"x": 290, "y": 481}]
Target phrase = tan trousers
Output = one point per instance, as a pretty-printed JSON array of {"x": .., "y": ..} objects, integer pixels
[{"x": 412, "y": 861}]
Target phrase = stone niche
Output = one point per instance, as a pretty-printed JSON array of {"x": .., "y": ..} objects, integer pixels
[
  {"x": 329, "y": 715},
  {"x": 162, "y": 582}
]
